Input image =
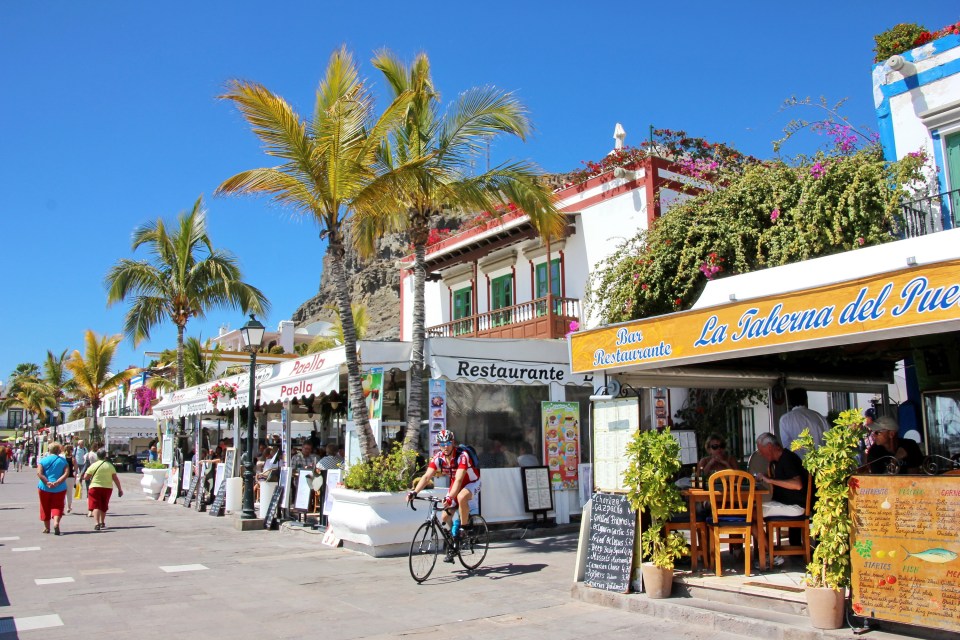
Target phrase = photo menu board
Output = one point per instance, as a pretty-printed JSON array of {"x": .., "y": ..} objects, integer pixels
[
  {"x": 438, "y": 413},
  {"x": 561, "y": 441},
  {"x": 905, "y": 551},
  {"x": 614, "y": 423}
]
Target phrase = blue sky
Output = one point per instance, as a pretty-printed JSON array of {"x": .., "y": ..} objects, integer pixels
[{"x": 109, "y": 116}]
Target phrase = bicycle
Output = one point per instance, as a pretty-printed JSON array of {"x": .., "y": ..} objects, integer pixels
[{"x": 471, "y": 549}]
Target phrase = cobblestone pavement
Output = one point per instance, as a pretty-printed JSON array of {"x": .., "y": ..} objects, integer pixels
[{"x": 159, "y": 570}]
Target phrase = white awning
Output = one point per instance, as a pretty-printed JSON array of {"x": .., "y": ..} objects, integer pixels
[
  {"x": 298, "y": 428},
  {"x": 195, "y": 400},
  {"x": 72, "y": 427},
  {"x": 304, "y": 377},
  {"x": 495, "y": 360},
  {"x": 120, "y": 429}
]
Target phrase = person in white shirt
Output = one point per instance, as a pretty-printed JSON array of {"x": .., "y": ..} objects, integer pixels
[{"x": 799, "y": 418}]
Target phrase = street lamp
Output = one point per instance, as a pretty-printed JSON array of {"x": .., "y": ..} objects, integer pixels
[{"x": 252, "y": 334}]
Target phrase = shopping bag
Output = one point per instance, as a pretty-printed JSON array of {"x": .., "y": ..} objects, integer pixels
[{"x": 77, "y": 492}]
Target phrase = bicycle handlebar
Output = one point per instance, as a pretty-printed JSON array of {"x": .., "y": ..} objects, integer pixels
[{"x": 431, "y": 499}]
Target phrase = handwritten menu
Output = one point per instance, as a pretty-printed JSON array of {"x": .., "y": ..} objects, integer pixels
[
  {"x": 609, "y": 559},
  {"x": 614, "y": 423},
  {"x": 905, "y": 551},
  {"x": 561, "y": 439}
]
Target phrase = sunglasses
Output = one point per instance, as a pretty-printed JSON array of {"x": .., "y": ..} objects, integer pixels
[
  {"x": 445, "y": 444},
  {"x": 714, "y": 447}
]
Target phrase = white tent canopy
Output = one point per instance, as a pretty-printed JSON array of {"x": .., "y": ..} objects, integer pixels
[
  {"x": 304, "y": 377},
  {"x": 298, "y": 429},
  {"x": 120, "y": 429},
  {"x": 72, "y": 427},
  {"x": 194, "y": 400}
]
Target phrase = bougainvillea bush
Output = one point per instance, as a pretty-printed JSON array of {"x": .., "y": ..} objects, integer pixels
[
  {"x": 906, "y": 36},
  {"x": 767, "y": 214}
]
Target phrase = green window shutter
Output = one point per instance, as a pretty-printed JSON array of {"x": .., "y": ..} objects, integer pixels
[
  {"x": 953, "y": 176},
  {"x": 541, "y": 276},
  {"x": 462, "y": 303}
]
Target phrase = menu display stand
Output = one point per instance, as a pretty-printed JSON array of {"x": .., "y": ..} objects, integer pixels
[
  {"x": 537, "y": 495},
  {"x": 609, "y": 557}
]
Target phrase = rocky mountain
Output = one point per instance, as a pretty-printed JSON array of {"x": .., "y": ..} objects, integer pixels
[{"x": 376, "y": 285}]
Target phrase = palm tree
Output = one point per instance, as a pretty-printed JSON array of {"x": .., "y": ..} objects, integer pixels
[
  {"x": 335, "y": 337},
  {"x": 200, "y": 361},
  {"x": 57, "y": 383},
  {"x": 92, "y": 378},
  {"x": 26, "y": 391},
  {"x": 427, "y": 167},
  {"x": 325, "y": 164},
  {"x": 186, "y": 278}
]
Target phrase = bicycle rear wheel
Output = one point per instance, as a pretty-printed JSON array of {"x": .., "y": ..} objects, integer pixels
[
  {"x": 423, "y": 551},
  {"x": 473, "y": 547}
]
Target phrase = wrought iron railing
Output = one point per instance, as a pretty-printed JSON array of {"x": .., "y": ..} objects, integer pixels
[{"x": 931, "y": 214}]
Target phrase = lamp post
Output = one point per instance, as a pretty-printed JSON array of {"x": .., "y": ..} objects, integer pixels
[{"x": 252, "y": 334}]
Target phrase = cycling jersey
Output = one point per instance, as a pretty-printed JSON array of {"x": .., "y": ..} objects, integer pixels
[{"x": 440, "y": 465}]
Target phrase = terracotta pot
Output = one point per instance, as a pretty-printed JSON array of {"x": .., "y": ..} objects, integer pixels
[
  {"x": 657, "y": 582},
  {"x": 825, "y": 606}
]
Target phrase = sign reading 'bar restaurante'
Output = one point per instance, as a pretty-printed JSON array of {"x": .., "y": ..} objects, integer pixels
[{"x": 834, "y": 314}]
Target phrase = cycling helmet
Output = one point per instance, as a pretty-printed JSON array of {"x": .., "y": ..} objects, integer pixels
[{"x": 443, "y": 437}]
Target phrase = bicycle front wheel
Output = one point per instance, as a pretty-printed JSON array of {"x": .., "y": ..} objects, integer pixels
[
  {"x": 423, "y": 551},
  {"x": 473, "y": 547}
]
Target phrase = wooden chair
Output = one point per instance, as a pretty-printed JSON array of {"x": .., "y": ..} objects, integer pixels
[
  {"x": 700, "y": 530},
  {"x": 731, "y": 513},
  {"x": 775, "y": 524}
]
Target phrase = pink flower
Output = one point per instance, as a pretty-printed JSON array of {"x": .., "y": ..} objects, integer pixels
[
  {"x": 818, "y": 170},
  {"x": 774, "y": 215},
  {"x": 860, "y": 241},
  {"x": 574, "y": 326}
]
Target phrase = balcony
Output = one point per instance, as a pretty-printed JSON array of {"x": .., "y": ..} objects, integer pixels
[
  {"x": 931, "y": 214},
  {"x": 548, "y": 317}
]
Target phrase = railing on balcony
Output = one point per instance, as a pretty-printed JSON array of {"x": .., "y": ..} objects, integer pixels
[
  {"x": 547, "y": 317},
  {"x": 931, "y": 214}
]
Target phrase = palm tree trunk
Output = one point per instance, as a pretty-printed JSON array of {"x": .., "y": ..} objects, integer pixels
[
  {"x": 181, "y": 383},
  {"x": 361, "y": 419},
  {"x": 415, "y": 392}
]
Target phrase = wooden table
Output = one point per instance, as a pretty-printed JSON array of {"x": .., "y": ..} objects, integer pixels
[{"x": 694, "y": 496}]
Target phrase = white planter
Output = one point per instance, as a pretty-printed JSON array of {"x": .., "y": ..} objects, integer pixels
[
  {"x": 376, "y": 523},
  {"x": 152, "y": 481}
]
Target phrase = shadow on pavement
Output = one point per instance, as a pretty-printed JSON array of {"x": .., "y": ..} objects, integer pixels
[
  {"x": 8, "y": 628},
  {"x": 4, "y": 600},
  {"x": 497, "y": 572},
  {"x": 132, "y": 526}
]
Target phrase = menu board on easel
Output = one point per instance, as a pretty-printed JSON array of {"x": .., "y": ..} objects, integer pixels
[
  {"x": 905, "y": 552},
  {"x": 609, "y": 557},
  {"x": 614, "y": 423}
]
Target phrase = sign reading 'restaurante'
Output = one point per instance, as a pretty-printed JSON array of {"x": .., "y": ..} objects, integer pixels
[{"x": 908, "y": 302}]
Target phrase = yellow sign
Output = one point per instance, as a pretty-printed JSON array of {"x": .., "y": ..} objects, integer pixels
[
  {"x": 904, "y": 553},
  {"x": 828, "y": 315}
]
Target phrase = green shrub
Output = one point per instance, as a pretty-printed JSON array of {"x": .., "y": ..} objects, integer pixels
[
  {"x": 896, "y": 40},
  {"x": 392, "y": 471},
  {"x": 154, "y": 464}
]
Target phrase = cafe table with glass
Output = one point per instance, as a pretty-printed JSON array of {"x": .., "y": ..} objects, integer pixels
[{"x": 702, "y": 494}]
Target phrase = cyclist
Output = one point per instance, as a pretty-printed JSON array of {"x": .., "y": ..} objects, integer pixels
[{"x": 464, "y": 478}]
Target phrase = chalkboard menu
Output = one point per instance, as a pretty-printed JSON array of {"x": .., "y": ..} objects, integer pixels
[
  {"x": 537, "y": 495},
  {"x": 193, "y": 491},
  {"x": 609, "y": 557},
  {"x": 274, "y": 507},
  {"x": 905, "y": 552},
  {"x": 218, "y": 506}
]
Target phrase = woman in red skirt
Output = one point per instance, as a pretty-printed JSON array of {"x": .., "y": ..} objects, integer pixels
[
  {"x": 101, "y": 474},
  {"x": 52, "y": 471}
]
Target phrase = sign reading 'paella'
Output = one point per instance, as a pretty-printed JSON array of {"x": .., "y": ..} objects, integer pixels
[
  {"x": 834, "y": 314},
  {"x": 905, "y": 553}
]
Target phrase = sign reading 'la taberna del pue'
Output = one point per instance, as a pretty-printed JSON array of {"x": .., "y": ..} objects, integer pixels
[{"x": 885, "y": 305}]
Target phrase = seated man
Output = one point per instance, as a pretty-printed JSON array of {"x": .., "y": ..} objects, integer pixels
[
  {"x": 304, "y": 459},
  {"x": 332, "y": 460},
  {"x": 889, "y": 447},
  {"x": 789, "y": 483}
]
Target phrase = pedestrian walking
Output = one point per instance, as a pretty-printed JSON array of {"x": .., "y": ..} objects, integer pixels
[
  {"x": 52, "y": 472},
  {"x": 71, "y": 475},
  {"x": 4, "y": 462},
  {"x": 101, "y": 475},
  {"x": 20, "y": 455},
  {"x": 89, "y": 460}
]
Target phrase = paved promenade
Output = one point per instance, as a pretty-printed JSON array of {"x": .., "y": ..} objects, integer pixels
[{"x": 160, "y": 570}]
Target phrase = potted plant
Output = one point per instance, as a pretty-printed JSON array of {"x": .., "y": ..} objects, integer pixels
[
  {"x": 831, "y": 466},
  {"x": 154, "y": 475},
  {"x": 653, "y": 462},
  {"x": 219, "y": 390},
  {"x": 370, "y": 513}
]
